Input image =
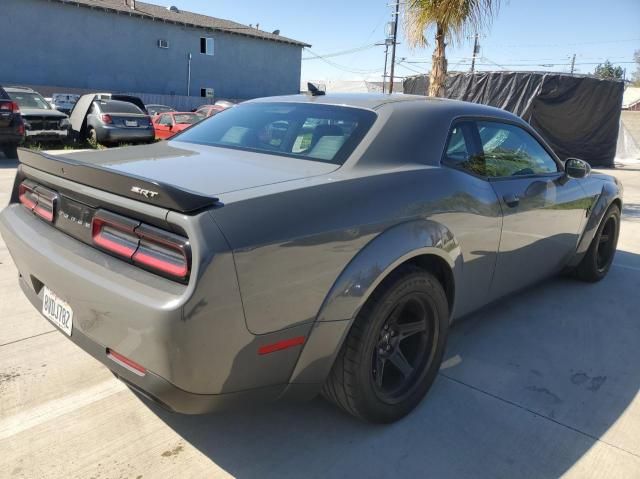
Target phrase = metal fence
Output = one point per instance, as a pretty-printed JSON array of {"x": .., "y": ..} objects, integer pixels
[{"x": 180, "y": 103}]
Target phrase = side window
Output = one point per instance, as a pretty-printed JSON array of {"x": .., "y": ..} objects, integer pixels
[
  {"x": 165, "y": 120},
  {"x": 511, "y": 151},
  {"x": 460, "y": 152}
]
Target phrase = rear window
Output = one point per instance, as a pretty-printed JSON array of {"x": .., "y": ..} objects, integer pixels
[
  {"x": 118, "y": 107},
  {"x": 187, "y": 119},
  {"x": 324, "y": 133}
]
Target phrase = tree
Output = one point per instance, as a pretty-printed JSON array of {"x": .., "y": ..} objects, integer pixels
[
  {"x": 606, "y": 71},
  {"x": 451, "y": 21}
]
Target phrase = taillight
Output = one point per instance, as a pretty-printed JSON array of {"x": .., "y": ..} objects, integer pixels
[
  {"x": 106, "y": 119},
  {"x": 21, "y": 129},
  {"x": 37, "y": 198},
  {"x": 151, "y": 248},
  {"x": 12, "y": 106},
  {"x": 163, "y": 252},
  {"x": 115, "y": 233}
]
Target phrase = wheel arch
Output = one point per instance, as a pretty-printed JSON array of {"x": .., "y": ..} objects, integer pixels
[
  {"x": 424, "y": 243},
  {"x": 609, "y": 194}
]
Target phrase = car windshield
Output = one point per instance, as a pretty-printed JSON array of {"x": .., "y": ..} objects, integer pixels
[
  {"x": 325, "y": 133},
  {"x": 187, "y": 118},
  {"x": 30, "y": 100},
  {"x": 113, "y": 106}
]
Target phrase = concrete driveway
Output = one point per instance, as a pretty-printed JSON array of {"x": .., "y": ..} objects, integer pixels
[{"x": 543, "y": 384}]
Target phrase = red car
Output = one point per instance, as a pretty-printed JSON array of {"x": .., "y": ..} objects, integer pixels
[{"x": 168, "y": 124}]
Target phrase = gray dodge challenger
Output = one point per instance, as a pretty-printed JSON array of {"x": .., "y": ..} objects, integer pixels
[{"x": 299, "y": 245}]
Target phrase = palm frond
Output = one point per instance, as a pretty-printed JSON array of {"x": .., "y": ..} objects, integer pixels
[{"x": 458, "y": 18}]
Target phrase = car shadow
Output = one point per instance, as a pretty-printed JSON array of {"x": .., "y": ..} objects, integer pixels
[{"x": 528, "y": 386}]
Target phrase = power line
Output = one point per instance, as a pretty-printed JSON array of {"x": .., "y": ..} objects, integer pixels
[{"x": 317, "y": 56}]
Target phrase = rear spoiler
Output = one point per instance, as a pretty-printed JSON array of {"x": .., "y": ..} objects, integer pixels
[{"x": 130, "y": 186}]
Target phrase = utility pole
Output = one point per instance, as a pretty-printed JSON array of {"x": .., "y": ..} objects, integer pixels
[
  {"x": 476, "y": 50},
  {"x": 384, "y": 77},
  {"x": 573, "y": 63},
  {"x": 395, "y": 42}
]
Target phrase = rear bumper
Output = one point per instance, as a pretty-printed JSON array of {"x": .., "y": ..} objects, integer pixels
[
  {"x": 126, "y": 134},
  {"x": 166, "y": 394},
  {"x": 47, "y": 135},
  {"x": 10, "y": 136},
  {"x": 192, "y": 341}
]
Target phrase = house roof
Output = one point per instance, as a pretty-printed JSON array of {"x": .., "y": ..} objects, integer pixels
[
  {"x": 631, "y": 96},
  {"x": 182, "y": 17}
]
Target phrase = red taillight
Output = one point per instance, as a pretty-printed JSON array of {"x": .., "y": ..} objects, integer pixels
[
  {"x": 162, "y": 252},
  {"x": 115, "y": 234},
  {"x": 126, "y": 362},
  {"x": 21, "y": 129},
  {"x": 106, "y": 119},
  {"x": 27, "y": 194},
  {"x": 12, "y": 106},
  {"x": 151, "y": 248},
  {"x": 40, "y": 200}
]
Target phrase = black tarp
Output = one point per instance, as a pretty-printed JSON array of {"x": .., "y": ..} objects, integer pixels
[{"x": 579, "y": 116}]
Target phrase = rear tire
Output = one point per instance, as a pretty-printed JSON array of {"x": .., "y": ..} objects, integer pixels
[
  {"x": 598, "y": 258},
  {"x": 10, "y": 151},
  {"x": 92, "y": 138},
  {"x": 393, "y": 351}
]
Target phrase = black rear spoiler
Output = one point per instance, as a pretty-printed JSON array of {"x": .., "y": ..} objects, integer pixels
[{"x": 131, "y": 186}]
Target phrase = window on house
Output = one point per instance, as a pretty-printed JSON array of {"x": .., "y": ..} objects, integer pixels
[
  {"x": 206, "y": 46},
  {"x": 206, "y": 92}
]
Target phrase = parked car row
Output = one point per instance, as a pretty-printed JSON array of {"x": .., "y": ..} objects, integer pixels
[{"x": 98, "y": 118}]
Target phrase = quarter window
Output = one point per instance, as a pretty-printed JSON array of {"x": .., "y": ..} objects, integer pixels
[
  {"x": 460, "y": 152},
  {"x": 511, "y": 151}
]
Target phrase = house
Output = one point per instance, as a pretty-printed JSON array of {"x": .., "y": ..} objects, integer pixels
[
  {"x": 127, "y": 45},
  {"x": 631, "y": 99}
]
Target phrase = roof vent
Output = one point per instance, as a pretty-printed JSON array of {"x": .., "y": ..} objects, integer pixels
[{"x": 173, "y": 9}]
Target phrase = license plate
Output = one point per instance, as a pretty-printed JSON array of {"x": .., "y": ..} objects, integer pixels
[
  {"x": 131, "y": 123},
  {"x": 57, "y": 311}
]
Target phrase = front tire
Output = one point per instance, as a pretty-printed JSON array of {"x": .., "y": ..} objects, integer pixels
[
  {"x": 597, "y": 260},
  {"x": 394, "y": 349}
]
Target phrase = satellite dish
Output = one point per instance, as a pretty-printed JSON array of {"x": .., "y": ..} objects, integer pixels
[
  {"x": 173, "y": 9},
  {"x": 276, "y": 32}
]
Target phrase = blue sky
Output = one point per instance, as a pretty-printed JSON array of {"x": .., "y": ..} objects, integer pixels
[{"x": 526, "y": 35}]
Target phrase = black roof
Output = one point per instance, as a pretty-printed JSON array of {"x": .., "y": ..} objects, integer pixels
[{"x": 182, "y": 17}]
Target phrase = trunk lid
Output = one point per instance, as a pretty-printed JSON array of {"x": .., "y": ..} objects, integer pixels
[{"x": 174, "y": 175}]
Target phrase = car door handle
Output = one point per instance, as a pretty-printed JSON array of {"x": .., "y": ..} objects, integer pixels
[{"x": 511, "y": 200}]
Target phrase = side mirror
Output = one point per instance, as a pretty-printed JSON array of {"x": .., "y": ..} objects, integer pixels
[
  {"x": 171, "y": 127},
  {"x": 575, "y": 168}
]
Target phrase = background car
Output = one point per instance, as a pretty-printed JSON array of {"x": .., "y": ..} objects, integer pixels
[
  {"x": 168, "y": 124},
  {"x": 154, "y": 110},
  {"x": 11, "y": 125},
  {"x": 64, "y": 102},
  {"x": 43, "y": 123},
  {"x": 114, "y": 121},
  {"x": 205, "y": 111}
]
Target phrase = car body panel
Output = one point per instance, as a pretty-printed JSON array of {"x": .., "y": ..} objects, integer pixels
[
  {"x": 292, "y": 248},
  {"x": 166, "y": 131}
]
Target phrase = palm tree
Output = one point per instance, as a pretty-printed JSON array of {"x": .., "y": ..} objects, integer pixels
[{"x": 451, "y": 21}]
